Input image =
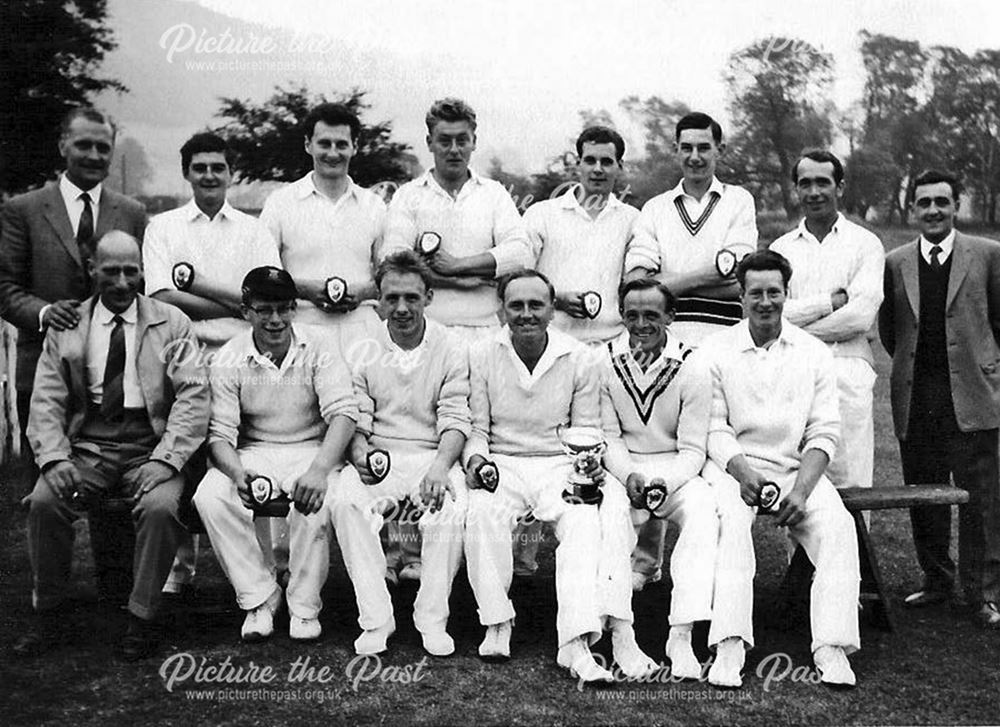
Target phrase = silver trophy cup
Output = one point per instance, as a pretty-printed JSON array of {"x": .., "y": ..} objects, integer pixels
[{"x": 583, "y": 445}]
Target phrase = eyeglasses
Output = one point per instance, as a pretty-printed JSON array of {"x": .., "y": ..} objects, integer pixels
[{"x": 266, "y": 311}]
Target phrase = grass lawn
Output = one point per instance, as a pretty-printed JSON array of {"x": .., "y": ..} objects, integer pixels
[{"x": 938, "y": 668}]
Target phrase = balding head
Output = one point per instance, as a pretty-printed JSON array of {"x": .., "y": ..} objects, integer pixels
[
  {"x": 118, "y": 244},
  {"x": 116, "y": 268}
]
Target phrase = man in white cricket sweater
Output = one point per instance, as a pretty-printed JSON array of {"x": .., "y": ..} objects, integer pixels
[
  {"x": 835, "y": 295},
  {"x": 412, "y": 385},
  {"x": 775, "y": 424},
  {"x": 678, "y": 238},
  {"x": 656, "y": 397},
  {"x": 679, "y": 234},
  {"x": 282, "y": 409},
  {"x": 525, "y": 382},
  {"x": 481, "y": 236}
]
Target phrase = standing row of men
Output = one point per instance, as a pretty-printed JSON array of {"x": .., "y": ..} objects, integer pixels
[{"x": 582, "y": 241}]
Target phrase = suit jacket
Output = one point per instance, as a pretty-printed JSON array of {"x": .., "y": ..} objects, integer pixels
[
  {"x": 173, "y": 380},
  {"x": 972, "y": 327},
  {"x": 40, "y": 261}
]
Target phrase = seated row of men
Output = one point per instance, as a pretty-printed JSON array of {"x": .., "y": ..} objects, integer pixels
[{"x": 705, "y": 439}]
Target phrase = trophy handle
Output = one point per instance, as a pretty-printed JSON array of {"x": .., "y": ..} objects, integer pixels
[{"x": 559, "y": 430}]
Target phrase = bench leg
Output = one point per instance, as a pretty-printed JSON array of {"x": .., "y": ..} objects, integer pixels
[{"x": 873, "y": 595}]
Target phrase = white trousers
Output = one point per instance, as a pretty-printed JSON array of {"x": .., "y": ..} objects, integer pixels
[
  {"x": 230, "y": 527},
  {"x": 593, "y": 575},
  {"x": 826, "y": 533},
  {"x": 852, "y": 464},
  {"x": 691, "y": 507},
  {"x": 358, "y": 512}
]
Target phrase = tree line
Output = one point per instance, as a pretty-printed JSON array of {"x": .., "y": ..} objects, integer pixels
[{"x": 920, "y": 107}]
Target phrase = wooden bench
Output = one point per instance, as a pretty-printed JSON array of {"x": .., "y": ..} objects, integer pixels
[{"x": 858, "y": 500}]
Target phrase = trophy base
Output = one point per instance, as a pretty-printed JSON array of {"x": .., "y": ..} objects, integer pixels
[
  {"x": 583, "y": 495},
  {"x": 277, "y": 507}
]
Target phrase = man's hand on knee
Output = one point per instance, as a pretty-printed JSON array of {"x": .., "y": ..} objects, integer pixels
[
  {"x": 147, "y": 477},
  {"x": 309, "y": 491},
  {"x": 64, "y": 479},
  {"x": 792, "y": 509},
  {"x": 434, "y": 486}
]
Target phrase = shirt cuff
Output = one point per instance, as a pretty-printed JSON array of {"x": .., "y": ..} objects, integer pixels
[
  {"x": 823, "y": 444},
  {"x": 41, "y": 317},
  {"x": 722, "y": 447}
]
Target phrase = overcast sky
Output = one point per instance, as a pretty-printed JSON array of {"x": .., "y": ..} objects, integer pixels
[{"x": 529, "y": 67}]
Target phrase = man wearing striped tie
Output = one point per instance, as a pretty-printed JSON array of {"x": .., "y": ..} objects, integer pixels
[{"x": 691, "y": 238}]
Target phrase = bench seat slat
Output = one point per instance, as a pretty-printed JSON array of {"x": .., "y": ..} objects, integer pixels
[{"x": 887, "y": 498}]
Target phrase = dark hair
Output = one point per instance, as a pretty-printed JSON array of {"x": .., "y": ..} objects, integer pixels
[
  {"x": 821, "y": 155},
  {"x": 764, "y": 260},
  {"x": 601, "y": 135},
  {"x": 85, "y": 112},
  {"x": 204, "y": 142},
  {"x": 936, "y": 176},
  {"x": 403, "y": 262},
  {"x": 526, "y": 273},
  {"x": 332, "y": 114},
  {"x": 698, "y": 120},
  {"x": 449, "y": 109},
  {"x": 669, "y": 301}
]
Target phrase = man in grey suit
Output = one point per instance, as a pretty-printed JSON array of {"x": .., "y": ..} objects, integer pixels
[
  {"x": 940, "y": 322},
  {"x": 47, "y": 237}
]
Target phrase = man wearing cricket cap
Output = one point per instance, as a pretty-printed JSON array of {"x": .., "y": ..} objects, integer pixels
[
  {"x": 412, "y": 386},
  {"x": 283, "y": 413},
  {"x": 526, "y": 383}
]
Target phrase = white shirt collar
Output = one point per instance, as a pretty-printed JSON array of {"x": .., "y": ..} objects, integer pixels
[
  {"x": 71, "y": 193},
  {"x": 192, "y": 211},
  {"x": 569, "y": 201},
  {"x": 746, "y": 343},
  {"x": 803, "y": 231},
  {"x": 307, "y": 186},
  {"x": 947, "y": 245},
  {"x": 716, "y": 186},
  {"x": 559, "y": 344},
  {"x": 249, "y": 352},
  {"x": 427, "y": 179},
  {"x": 103, "y": 317}
]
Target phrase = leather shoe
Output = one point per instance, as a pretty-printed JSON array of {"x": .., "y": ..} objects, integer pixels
[
  {"x": 989, "y": 615},
  {"x": 923, "y": 598},
  {"x": 42, "y": 635},
  {"x": 141, "y": 640}
]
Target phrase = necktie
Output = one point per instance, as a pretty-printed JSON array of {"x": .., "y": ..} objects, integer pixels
[
  {"x": 85, "y": 230},
  {"x": 935, "y": 261},
  {"x": 113, "y": 399}
]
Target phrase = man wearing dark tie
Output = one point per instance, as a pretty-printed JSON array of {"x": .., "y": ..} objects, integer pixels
[
  {"x": 47, "y": 236},
  {"x": 119, "y": 406},
  {"x": 940, "y": 322}
]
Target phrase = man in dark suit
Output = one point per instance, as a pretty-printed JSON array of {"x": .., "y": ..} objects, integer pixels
[
  {"x": 47, "y": 236},
  {"x": 119, "y": 406},
  {"x": 940, "y": 322}
]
